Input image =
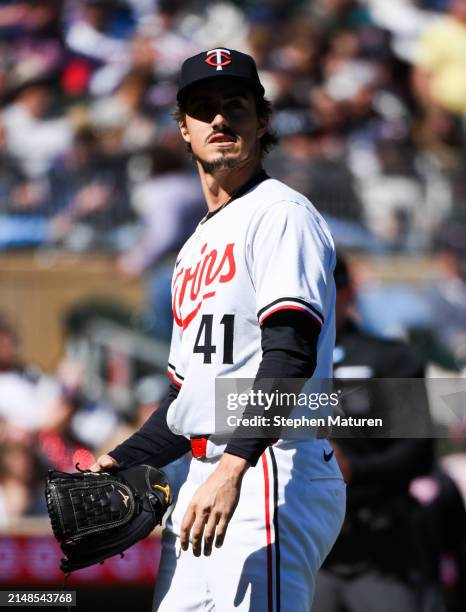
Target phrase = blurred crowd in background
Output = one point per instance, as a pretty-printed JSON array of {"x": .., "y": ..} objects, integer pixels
[
  {"x": 370, "y": 110},
  {"x": 370, "y": 100}
]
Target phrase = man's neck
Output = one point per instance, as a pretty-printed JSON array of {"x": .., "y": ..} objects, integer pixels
[{"x": 220, "y": 186}]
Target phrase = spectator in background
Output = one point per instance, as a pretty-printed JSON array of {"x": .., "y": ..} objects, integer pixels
[
  {"x": 36, "y": 19},
  {"x": 31, "y": 32},
  {"x": 32, "y": 138},
  {"x": 442, "y": 525},
  {"x": 72, "y": 426},
  {"x": 123, "y": 115},
  {"x": 79, "y": 417},
  {"x": 393, "y": 194},
  {"x": 447, "y": 296},
  {"x": 163, "y": 31},
  {"x": 89, "y": 35},
  {"x": 11, "y": 176},
  {"x": 156, "y": 48},
  {"x": 307, "y": 160},
  {"x": 169, "y": 205},
  {"x": 376, "y": 562},
  {"x": 88, "y": 194},
  {"x": 25, "y": 393},
  {"x": 440, "y": 74},
  {"x": 34, "y": 429},
  {"x": 21, "y": 486},
  {"x": 21, "y": 196},
  {"x": 332, "y": 64},
  {"x": 36, "y": 411},
  {"x": 148, "y": 393}
]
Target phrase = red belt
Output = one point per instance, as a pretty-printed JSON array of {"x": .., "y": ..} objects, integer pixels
[{"x": 199, "y": 446}]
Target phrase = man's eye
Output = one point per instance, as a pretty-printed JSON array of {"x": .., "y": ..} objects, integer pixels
[
  {"x": 235, "y": 104},
  {"x": 199, "y": 107}
]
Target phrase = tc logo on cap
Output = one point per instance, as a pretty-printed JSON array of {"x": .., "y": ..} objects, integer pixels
[{"x": 218, "y": 58}]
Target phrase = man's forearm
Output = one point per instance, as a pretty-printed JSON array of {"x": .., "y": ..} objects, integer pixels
[
  {"x": 233, "y": 465},
  {"x": 289, "y": 344},
  {"x": 154, "y": 443}
]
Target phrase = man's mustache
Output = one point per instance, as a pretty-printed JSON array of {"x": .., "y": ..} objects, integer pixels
[{"x": 225, "y": 131}]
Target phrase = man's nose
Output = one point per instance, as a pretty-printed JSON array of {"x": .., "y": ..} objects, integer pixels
[{"x": 219, "y": 120}]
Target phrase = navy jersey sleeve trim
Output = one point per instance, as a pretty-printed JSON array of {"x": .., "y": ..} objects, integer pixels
[
  {"x": 290, "y": 303},
  {"x": 176, "y": 377}
]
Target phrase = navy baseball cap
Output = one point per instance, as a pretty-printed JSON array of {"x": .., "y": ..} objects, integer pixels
[{"x": 218, "y": 63}]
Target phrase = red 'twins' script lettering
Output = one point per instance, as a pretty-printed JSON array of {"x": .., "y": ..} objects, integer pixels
[{"x": 193, "y": 285}]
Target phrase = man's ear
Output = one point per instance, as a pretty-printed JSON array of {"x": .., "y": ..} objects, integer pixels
[
  {"x": 184, "y": 131},
  {"x": 263, "y": 126}
]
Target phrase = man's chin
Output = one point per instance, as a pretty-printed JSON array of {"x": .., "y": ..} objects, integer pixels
[{"x": 221, "y": 162}]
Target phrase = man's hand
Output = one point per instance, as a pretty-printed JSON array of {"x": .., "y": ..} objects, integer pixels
[
  {"x": 104, "y": 461},
  {"x": 212, "y": 506}
]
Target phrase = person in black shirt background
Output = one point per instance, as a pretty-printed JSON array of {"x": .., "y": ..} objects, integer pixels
[{"x": 378, "y": 563}]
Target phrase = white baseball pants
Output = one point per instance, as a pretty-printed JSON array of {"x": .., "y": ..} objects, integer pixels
[{"x": 284, "y": 525}]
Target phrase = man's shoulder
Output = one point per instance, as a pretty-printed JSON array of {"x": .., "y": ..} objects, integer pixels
[
  {"x": 278, "y": 191},
  {"x": 278, "y": 199},
  {"x": 273, "y": 192}
]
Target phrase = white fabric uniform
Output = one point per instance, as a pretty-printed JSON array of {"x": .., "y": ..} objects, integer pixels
[{"x": 268, "y": 250}]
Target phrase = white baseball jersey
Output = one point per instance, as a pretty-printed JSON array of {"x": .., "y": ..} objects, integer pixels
[{"x": 268, "y": 250}]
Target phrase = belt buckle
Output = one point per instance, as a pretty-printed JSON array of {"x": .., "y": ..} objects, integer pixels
[{"x": 199, "y": 447}]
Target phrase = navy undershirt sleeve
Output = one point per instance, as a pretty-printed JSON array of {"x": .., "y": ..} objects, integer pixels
[
  {"x": 289, "y": 350},
  {"x": 154, "y": 443}
]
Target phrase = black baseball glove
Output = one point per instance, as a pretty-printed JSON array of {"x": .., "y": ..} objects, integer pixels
[{"x": 96, "y": 515}]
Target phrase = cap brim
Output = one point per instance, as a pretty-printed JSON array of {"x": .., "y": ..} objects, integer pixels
[{"x": 254, "y": 87}]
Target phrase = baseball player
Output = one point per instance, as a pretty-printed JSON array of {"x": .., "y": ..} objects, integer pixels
[{"x": 253, "y": 297}]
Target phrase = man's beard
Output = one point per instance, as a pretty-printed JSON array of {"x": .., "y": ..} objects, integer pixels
[{"x": 221, "y": 163}]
